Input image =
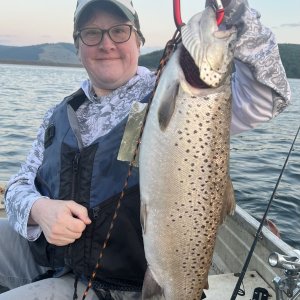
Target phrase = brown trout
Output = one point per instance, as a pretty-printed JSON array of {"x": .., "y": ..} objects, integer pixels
[{"x": 185, "y": 187}]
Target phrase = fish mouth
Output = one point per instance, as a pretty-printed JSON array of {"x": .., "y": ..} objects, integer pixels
[
  {"x": 210, "y": 49},
  {"x": 190, "y": 70}
]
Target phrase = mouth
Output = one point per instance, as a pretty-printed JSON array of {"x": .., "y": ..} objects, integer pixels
[{"x": 107, "y": 58}]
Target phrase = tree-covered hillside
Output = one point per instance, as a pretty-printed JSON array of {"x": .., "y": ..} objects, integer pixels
[
  {"x": 57, "y": 53},
  {"x": 290, "y": 56},
  {"x": 65, "y": 54}
]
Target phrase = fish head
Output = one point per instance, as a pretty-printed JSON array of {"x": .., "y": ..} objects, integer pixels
[{"x": 211, "y": 48}]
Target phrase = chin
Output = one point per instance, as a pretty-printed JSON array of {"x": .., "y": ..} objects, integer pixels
[{"x": 109, "y": 83}]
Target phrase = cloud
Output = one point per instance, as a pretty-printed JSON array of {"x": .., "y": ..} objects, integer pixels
[{"x": 290, "y": 25}]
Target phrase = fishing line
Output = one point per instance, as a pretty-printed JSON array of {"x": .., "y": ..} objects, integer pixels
[
  {"x": 241, "y": 277},
  {"x": 169, "y": 49}
]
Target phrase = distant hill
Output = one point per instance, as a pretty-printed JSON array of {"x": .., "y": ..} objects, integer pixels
[
  {"x": 60, "y": 54},
  {"x": 290, "y": 56},
  {"x": 151, "y": 60},
  {"x": 64, "y": 54},
  {"x": 53, "y": 54}
]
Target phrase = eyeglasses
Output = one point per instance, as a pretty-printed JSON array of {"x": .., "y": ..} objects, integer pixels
[{"x": 93, "y": 36}]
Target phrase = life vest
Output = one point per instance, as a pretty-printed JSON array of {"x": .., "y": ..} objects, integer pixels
[{"x": 93, "y": 177}]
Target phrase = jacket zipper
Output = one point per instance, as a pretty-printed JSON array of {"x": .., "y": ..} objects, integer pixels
[
  {"x": 96, "y": 212},
  {"x": 75, "y": 171}
]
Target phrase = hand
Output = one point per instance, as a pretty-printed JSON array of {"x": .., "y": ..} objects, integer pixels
[{"x": 62, "y": 222}]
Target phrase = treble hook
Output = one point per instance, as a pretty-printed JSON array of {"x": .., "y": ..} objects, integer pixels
[{"x": 177, "y": 12}]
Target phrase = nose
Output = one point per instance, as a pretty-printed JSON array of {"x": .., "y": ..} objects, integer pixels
[{"x": 106, "y": 42}]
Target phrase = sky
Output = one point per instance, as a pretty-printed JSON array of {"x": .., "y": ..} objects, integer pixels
[{"x": 32, "y": 22}]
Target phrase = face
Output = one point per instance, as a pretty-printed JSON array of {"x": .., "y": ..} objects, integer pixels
[{"x": 109, "y": 65}]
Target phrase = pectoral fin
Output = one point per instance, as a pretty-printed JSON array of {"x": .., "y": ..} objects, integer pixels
[
  {"x": 167, "y": 106},
  {"x": 151, "y": 289},
  {"x": 229, "y": 200}
]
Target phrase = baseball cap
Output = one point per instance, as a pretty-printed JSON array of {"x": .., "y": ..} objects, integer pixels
[{"x": 126, "y": 6}]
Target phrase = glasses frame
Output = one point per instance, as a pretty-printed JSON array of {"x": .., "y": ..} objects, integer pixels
[{"x": 103, "y": 31}]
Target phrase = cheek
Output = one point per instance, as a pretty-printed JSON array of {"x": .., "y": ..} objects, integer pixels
[
  {"x": 133, "y": 55},
  {"x": 131, "y": 50},
  {"x": 84, "y": 54}
]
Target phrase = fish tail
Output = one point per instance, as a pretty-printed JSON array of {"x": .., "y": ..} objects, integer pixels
[{"x": 151, "y": 289}]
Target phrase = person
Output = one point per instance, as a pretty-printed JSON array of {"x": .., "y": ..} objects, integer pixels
[{"x": 61, "y": 202}]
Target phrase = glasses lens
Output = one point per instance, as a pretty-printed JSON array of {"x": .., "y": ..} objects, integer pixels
[
  {"x": 120, "y": 33},
  {"x": 91, "y": 36}
]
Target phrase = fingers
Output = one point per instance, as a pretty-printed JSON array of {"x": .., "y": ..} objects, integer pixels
[
  {"x": 61, "y": 235},
  {"x": 79, "y": 211},
  {"x": 62, "y": 222}
]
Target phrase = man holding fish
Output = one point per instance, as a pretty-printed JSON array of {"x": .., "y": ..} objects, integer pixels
[{"x": 61, "y": 203}]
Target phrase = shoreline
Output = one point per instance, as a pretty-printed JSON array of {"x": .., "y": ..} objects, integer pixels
[{"x": 35, "y": 63}]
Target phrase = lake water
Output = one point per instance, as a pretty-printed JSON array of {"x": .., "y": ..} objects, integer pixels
[{"x": 257, "y": 156}]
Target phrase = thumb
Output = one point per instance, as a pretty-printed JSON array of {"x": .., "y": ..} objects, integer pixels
[{"x": 80, "y": 212}]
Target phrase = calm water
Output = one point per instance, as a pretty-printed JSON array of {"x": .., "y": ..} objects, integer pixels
[{"x": 257, "y": 156}]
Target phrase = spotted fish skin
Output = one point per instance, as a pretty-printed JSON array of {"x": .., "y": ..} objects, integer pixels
[{"x": 184, "y": 180}]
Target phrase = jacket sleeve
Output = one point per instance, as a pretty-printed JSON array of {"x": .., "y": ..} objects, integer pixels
[
  {"x": 259, "y": 86},
  {"x": 21, "y": 192}
]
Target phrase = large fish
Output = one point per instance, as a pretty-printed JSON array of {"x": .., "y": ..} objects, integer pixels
[{"x": 184, "y": 181}]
